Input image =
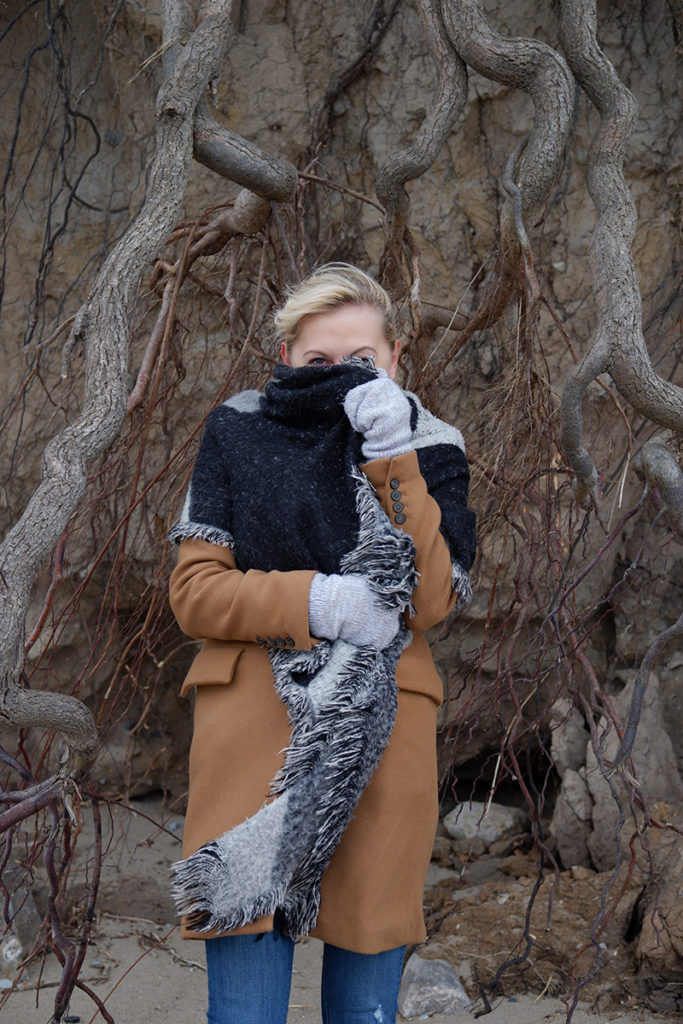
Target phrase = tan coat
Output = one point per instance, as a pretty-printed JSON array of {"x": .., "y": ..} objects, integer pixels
[{"x": 371, "y": 896}]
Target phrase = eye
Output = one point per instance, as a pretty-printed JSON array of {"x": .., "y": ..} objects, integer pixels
[{"x": 318, "y": 361}]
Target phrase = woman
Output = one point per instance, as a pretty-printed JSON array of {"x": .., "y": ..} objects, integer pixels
[{"x": 271, "y": 515}]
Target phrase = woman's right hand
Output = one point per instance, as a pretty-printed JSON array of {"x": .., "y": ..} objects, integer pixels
[{"x": 345, "y": 608}]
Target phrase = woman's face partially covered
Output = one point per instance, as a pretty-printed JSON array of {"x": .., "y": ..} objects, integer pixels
[{"x": 349, "y": 330}]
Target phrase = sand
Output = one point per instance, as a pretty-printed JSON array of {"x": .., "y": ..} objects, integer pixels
[{"x": 138, "y": 965}]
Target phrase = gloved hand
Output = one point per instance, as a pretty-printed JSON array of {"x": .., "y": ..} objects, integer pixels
[
  {"x": 381, "y": 413},
  {"x": 345, "y": 607}
]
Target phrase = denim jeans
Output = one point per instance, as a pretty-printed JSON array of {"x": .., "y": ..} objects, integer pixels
[{"x": 250, "y": 977}]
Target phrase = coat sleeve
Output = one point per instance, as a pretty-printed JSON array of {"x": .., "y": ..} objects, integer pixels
[
  {"x": 403, "y": 494},
  {"x": 211, "y": 599}
]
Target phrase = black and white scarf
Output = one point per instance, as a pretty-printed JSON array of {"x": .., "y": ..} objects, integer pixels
[{"x": 277, "y": 481}]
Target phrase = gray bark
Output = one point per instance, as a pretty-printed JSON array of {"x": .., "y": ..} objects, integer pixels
[
  {"x": 618, "y": 345},
  {"x": 657, "y": 463},
  {"x": 407, "y": 164},
  {"x": 241, "y": 161},
  {"x": 535, "y": 67},
  {"x": 101, "y": 328}
]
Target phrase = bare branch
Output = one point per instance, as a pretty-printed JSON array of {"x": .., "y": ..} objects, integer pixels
[
  {"x": 657, "y": 463},
  {"x": 102, "y": 328},
  {"x": 434, "y": 315},
  {"x": 177, "y": 22},
  {"x": 247, "y": 216},
  {"x": 619, "y": 334},
  {"x": 538, "y": 69},
  {"x": 215, "y": 146},
  {"x": 515, "y": 196},
  {"x": 233, "y": 157},
  {"x": 571, "y": 422},
  {"x": 407, "y": 164},
  {"x": 639, "y": 687}
]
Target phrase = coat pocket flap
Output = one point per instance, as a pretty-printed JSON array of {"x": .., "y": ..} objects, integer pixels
[{"x": 214, "y": 665}]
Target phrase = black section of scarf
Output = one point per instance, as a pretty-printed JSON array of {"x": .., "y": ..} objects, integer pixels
[{"x": 273, "y": 478}]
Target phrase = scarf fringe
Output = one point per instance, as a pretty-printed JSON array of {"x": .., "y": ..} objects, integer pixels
[
  {"x": 460, "y": 581},
  {"x": 192, "y": 879},
  {"x": 184, "y": 530},
  {"x": 386, "y": 557}
]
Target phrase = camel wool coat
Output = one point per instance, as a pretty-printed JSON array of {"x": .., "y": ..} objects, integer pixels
[{"x": 371, "y": 894}]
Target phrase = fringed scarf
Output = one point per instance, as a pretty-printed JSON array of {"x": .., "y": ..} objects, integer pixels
[{"x": 276, "y": 479}]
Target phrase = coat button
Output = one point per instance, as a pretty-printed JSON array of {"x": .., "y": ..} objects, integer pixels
[
  {"x": 289, "y": 641},
  {"x": 260, "y": 641},
  {"x": 280, "y": 642},
  {"x": 395, "y": 495},
  {"x": 397, "y": 506},
  {"x": 393, "y": 483},
  {"x": 400, "y": 518}
]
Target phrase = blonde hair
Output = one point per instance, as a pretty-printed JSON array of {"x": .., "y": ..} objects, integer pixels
[{"x": 335, "y": 284}]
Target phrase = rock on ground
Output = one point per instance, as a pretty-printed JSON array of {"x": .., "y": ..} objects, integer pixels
[
  {"x": 430, "y": 986},
  {"x": 475, "y": 826}
]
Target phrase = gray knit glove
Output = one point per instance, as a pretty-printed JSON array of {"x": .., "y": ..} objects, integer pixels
[
  {"x": 381, "y": 413},
  {"x": 345, "y": 607}
]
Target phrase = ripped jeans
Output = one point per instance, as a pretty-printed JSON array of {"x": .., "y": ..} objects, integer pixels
[{"x": 250, "y": 977}]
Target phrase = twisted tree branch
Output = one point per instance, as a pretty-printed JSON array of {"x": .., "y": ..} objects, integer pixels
[
  {"x": 101, "y": 327},
  {"x": 233, "y": 157},
  {"x": 618, "y": 345},
  {"x": 246, "y": 216},
  {"x": 540, "y": 71},
  {"x": 215, "y": 146},
  {"x": 640, "y": 685},
  {"x": 409, "y": 163},
  {"x": 657, "y": 463}
]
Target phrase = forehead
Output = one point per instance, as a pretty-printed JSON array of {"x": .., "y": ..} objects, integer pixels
[{"x": 349, "y": 320}]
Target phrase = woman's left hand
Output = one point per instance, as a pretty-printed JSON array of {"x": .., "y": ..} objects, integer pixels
[{"x": 381, "y": 413}]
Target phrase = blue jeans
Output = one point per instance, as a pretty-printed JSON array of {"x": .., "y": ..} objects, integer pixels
[{"x": 250, "y": 977}]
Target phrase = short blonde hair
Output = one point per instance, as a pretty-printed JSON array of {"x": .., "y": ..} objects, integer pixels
[{"x": 335, "y": 284}]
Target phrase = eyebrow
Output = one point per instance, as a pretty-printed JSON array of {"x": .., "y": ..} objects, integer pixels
[{"x": 317, "y": 352}]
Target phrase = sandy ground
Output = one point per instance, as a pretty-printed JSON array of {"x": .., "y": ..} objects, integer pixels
[
  {"x": 141, "y": 981},
  {"x": 140, "y": 968}
]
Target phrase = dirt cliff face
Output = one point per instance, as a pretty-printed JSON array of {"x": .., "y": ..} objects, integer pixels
[
  {"x": 78, "y": 134},
  {"x": 272, "y": 91}
]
